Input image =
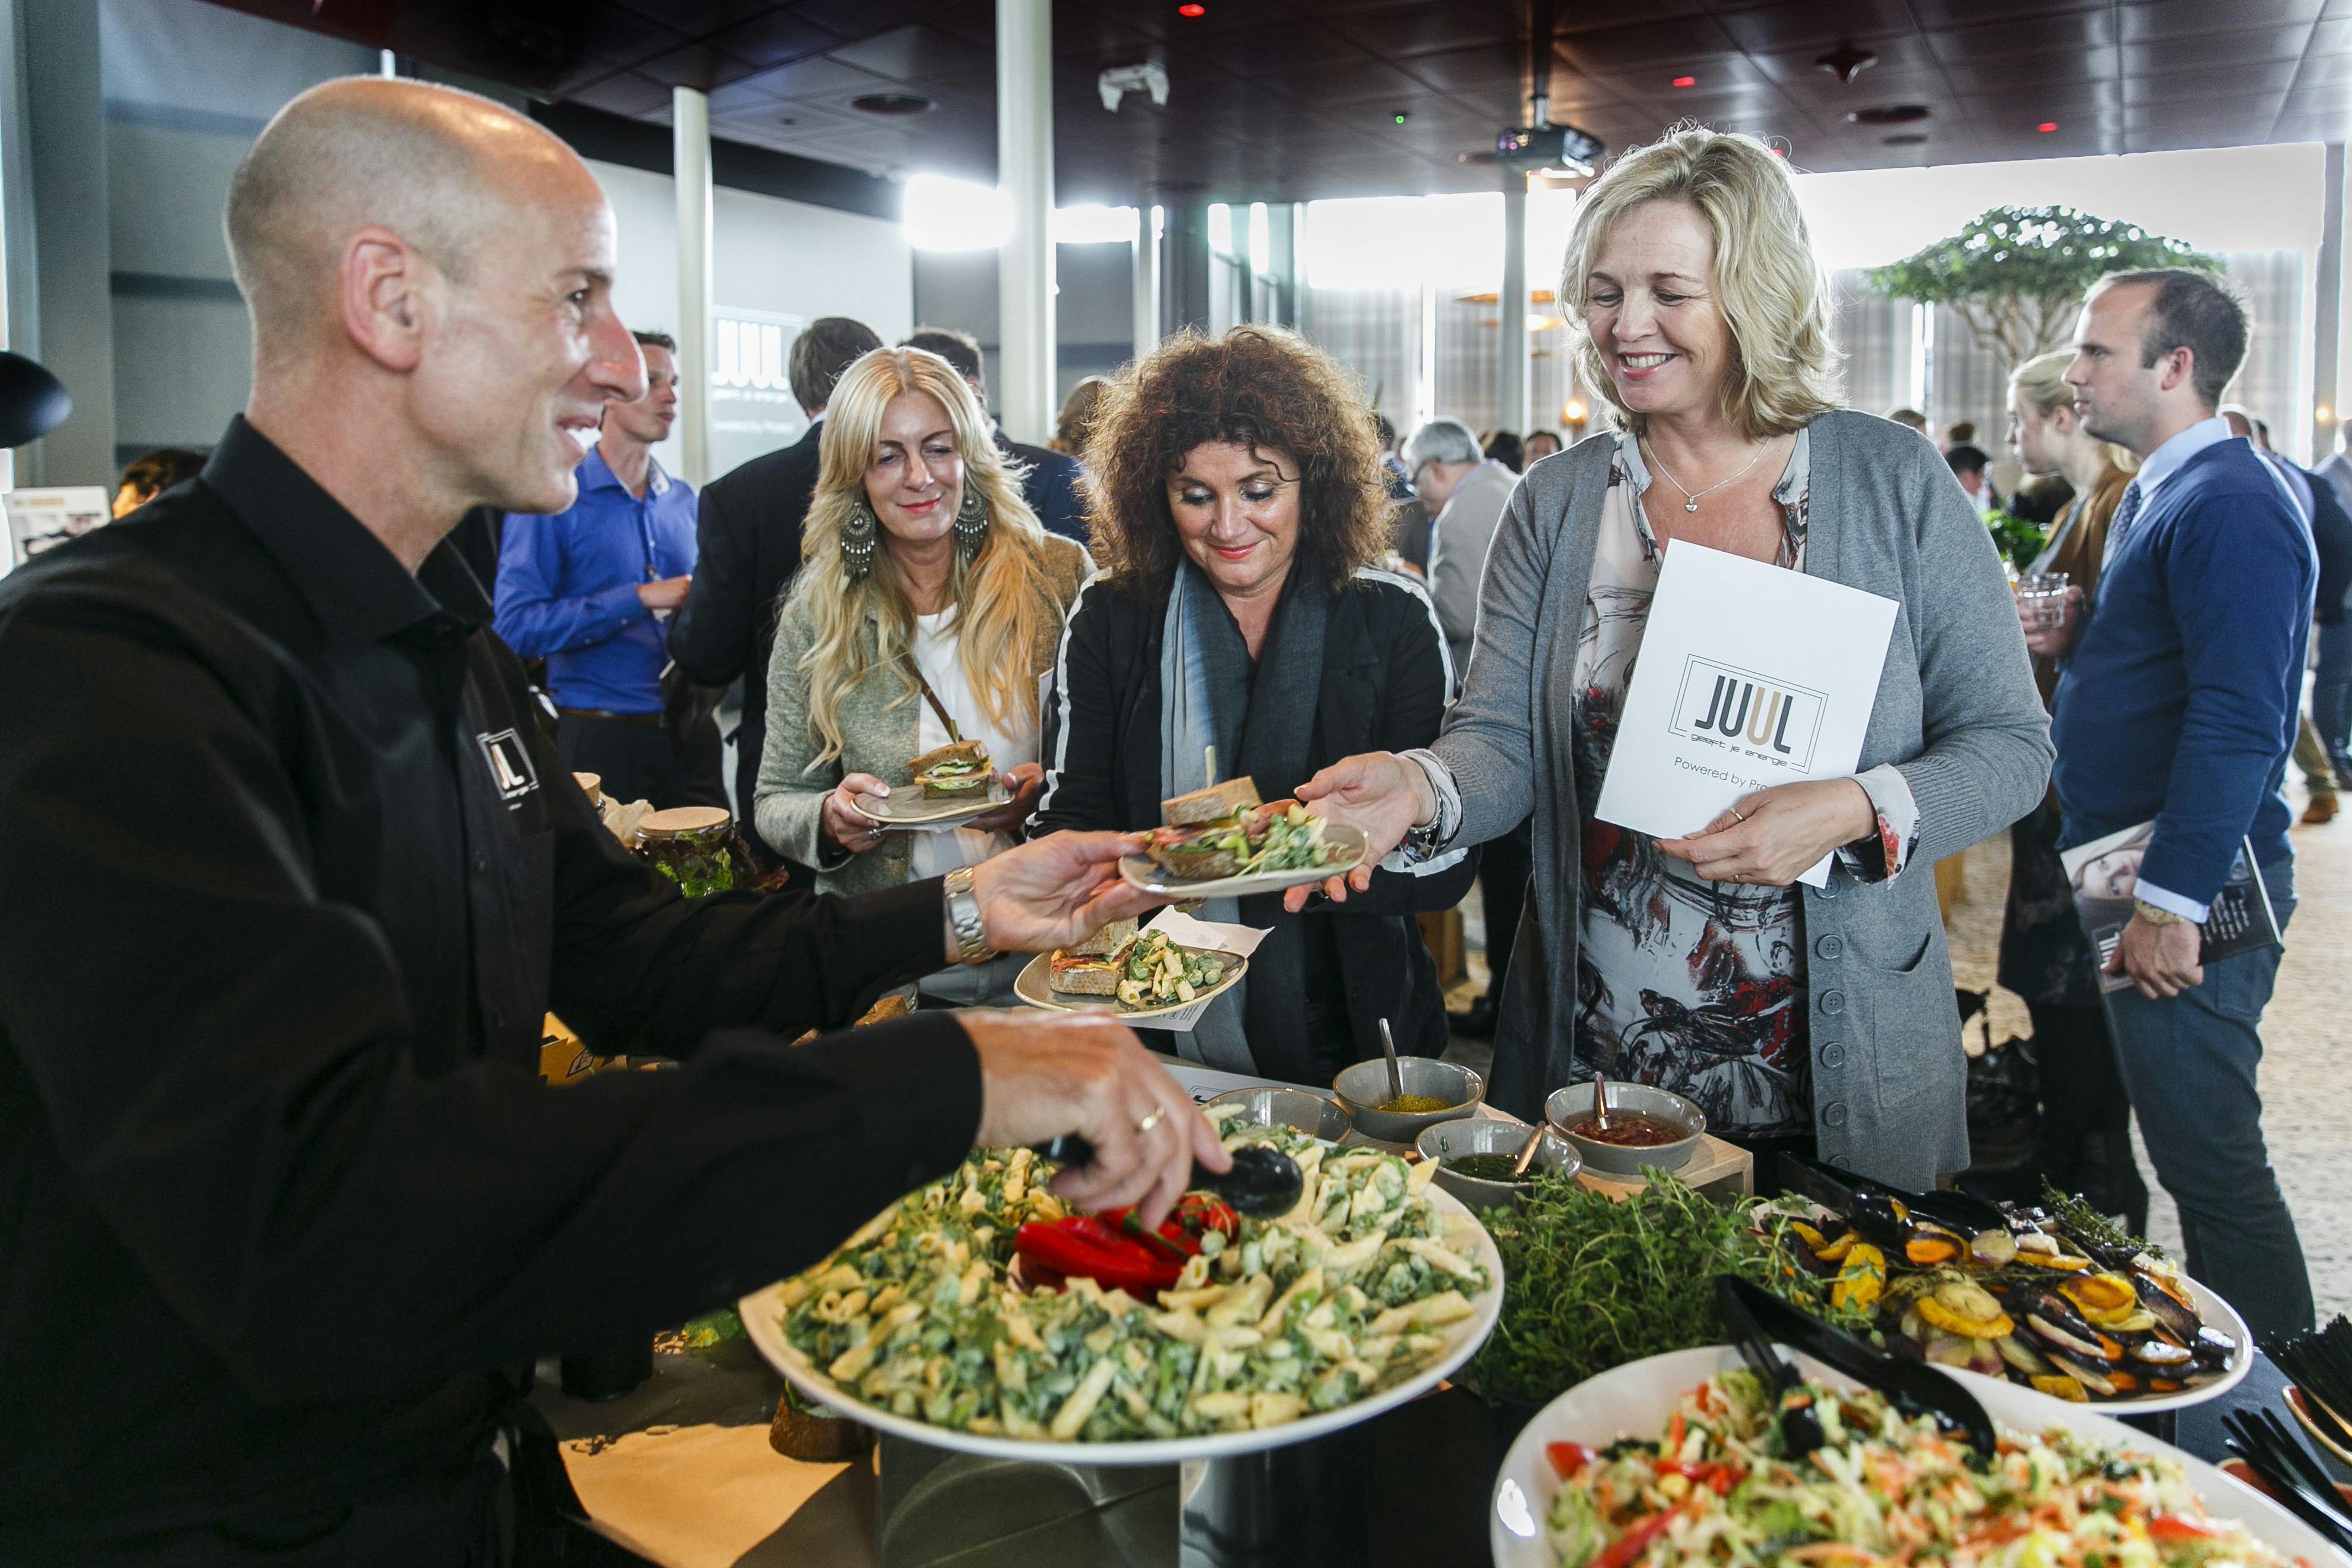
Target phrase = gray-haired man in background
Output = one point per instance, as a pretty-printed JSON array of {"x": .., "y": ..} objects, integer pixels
[{"x": 1465, "y": 492}]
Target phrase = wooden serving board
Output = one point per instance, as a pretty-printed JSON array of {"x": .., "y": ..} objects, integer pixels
[{"x": 1720, "y": 1169}]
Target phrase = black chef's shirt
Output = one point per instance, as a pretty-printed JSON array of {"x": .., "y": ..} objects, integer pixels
[{"x": 288, "y": 878}]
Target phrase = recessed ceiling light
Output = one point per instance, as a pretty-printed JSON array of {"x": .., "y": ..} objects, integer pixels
[
  {"x": 891, "y": 103},
  {"x": 1686, "y": 81},
  {"x": 1905, "y": 139},
  {"x": 1191, "y": 8},
  {"x": 2047, "y": 126}
]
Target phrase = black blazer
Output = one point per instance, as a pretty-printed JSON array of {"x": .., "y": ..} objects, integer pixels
[
  {"x": 1050, "y": 486},
  {"x": 1384, "y": 687},
  {"x": 747, "y": 544}
]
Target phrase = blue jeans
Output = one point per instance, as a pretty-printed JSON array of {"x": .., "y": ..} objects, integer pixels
[
  {"x": 2331, "y": 693},
  {"x": 2190, "y": 1065}
]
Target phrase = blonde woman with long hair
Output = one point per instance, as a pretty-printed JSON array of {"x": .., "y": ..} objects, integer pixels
[
  {"x": 2086, "y": 1143},
  {"x": 927, "y": 593},
  {"x": 1802, "y": 1021}
]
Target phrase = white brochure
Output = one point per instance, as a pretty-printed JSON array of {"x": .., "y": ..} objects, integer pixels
[{"x": 1750, "y": 676}]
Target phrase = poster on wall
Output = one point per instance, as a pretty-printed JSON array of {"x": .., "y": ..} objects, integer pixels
[
  {"x": 752, "y": 409},
  {"x": 41, "y": 520}
]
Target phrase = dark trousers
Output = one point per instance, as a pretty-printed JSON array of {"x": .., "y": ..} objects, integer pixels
[
  {"x": 2189, "y": 1064},
  {"x": 1504, "y": 866},
  {"x": 637, "y": 762},
  {"x": 2086, "y": 1131}
]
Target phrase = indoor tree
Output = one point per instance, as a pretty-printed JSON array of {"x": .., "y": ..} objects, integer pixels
[{"x": 2017, "y": 274}]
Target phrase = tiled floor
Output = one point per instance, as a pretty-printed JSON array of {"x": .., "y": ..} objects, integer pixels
[{"x": 2306, "y": 1077}]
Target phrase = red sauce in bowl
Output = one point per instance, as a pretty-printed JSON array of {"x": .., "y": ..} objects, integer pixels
[{"x": 1632, "y": 1130}]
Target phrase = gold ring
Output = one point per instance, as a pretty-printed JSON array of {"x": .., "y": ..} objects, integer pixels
[
  {"x": 1738, "y": 816},
  {"x": 1158, "y": 1114}
]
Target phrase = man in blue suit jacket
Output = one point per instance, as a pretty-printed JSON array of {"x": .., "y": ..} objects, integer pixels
[{"x": 2178, "y": 702}]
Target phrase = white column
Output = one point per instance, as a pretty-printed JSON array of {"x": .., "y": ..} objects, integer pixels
[
  {"x": 1024, "y": 171},
  {"x": 691, "y": 158},
  {"x": 1147, "y": 280},
  {"x": 1511, "y": 349},
  {"x": 2327, "y": 311}
]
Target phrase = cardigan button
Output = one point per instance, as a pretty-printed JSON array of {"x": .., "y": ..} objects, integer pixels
[
  {"x": 1833, "y": 1001},
  {"x": 1831, "y": 946},
  {"x": 1827, "y": 890},
  {"x": 1832, "y": 1055},
  {"x": 1833, "y": 1113},
  {"x": 1843, "y": 1162}
]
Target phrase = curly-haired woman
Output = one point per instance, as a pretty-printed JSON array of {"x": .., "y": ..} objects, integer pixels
[
  {"x": 1237, "y": 503},
  {"x": 928, "y": 592},
  {"x": 1801, "y": 1020}
]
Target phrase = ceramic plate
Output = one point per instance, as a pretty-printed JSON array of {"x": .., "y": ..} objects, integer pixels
[
  {"x": 1146, "y": 875},
  {"x": 1035, "y": 986},
  {"x": 906, "y": 807},
  {"x": 1637, "y": 1400},
  {"x": 762, "y": 1314}
]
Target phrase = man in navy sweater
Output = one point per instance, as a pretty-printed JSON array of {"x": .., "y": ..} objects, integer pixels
[{"x": 2178, "y": 702}]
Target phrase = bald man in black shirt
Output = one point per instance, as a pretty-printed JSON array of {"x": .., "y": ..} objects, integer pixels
[{"x": 291, "y": 879}]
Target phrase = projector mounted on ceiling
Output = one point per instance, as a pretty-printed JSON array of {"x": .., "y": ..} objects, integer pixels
[{"x": 1530, "y": 149}]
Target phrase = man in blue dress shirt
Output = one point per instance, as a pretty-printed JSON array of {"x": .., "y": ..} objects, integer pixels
[
  {"x": 588, "y": 589},
  {"x": 2178, "y": 702}
]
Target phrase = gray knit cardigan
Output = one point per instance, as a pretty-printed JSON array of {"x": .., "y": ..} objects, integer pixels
[{"x": 1957, "y": 712}]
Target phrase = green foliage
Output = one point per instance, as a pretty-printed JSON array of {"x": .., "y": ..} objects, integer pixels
[
  {"x": 2018, "y": 274},
  {"x": 2019, "y": 541}
]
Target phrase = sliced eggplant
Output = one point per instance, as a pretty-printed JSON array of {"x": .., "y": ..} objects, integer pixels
[
  {"x": 2090, "y": 1375},
  {"x": 2018, "y": 1353}
]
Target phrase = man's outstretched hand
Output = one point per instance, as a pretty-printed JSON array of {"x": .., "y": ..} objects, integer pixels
[
  {"x": 1045, "y": 1074},
  {"x": 1056, "y": 892},
  {"x": 1379, "y": 791}
]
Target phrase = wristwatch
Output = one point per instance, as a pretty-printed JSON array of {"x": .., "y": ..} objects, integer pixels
[
  {"x": 2155, "y": 916},
  {"x": 963, "y": 915}
]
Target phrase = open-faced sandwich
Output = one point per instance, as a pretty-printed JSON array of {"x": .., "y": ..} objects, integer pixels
[
  {"x": 1224, "y": 831},
  {"x": 957, "y": 772},
  {"x": 1141, "y": 970}
]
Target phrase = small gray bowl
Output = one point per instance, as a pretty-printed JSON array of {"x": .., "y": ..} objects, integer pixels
[
  {"x": 1364, "y": 1088},
  {"x": 1566, "y": 1107},
  {"x": 1297, "y": 1109},
  {"x": 1478, "y": 1135}
]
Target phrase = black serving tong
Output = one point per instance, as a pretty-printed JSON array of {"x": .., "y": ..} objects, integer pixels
[
  {"x": 2299, "y": 1482},
  {"x": 1842, "y": 1191},
  {"x": 1911, "y": 1386},
  {"x": 2320, "y": 1362},
  {"x": 1800, "y": 1423},
  {"x": 1264, "y": 1183}
]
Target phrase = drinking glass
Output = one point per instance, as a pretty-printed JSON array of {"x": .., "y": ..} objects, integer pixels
[{"x": 2044, "y": 595}]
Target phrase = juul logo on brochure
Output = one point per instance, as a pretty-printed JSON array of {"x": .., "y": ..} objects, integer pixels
[{"x": 1754, "y": 715}]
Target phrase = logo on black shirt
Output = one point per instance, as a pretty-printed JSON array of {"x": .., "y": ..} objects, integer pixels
[{"x": 510, "y": 761}]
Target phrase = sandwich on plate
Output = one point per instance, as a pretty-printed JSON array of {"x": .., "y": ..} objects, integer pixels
[
  {"x": 1224, "y": 831},
  {"x": 960, "y": 770},
  {"x": 1140, "y": 970},
  {"x": 1092, "y": 968}
]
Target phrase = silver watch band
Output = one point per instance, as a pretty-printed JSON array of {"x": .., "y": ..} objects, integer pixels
[{"x": 964, "y": 916}]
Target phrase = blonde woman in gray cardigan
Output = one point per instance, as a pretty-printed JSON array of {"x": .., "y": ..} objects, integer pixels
[
  {"x": 921, "y": 566},
  {"x": 1814, "y": 1023}
]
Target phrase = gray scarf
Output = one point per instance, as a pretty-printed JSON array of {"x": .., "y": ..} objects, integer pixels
[{"x": 1261, "y": 721}]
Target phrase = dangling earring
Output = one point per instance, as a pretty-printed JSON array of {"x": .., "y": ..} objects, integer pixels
[
  {"x": 858, "y": 530},
  {"x": 972, "y": 522}
]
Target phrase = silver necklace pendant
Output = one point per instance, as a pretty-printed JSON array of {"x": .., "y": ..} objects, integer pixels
[{"x": 1691, "y": 505}]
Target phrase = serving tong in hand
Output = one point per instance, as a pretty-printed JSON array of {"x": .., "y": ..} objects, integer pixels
[
  {"x": 1756, "y": 1318},
  {"x": 1264, "y": 1183},
  {"x": 2301, "y": 1483}
]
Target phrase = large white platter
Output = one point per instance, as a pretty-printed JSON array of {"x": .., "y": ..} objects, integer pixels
[
  {"x": 1035, "y": 985},
  {"x": 2217, "y": 1314},
  {"x": 1637, "y": 1400},
  {"x": 763, "y": 1313},
  {"x": 905, "y": 807},
  {"x": 1146, "y": 875}
]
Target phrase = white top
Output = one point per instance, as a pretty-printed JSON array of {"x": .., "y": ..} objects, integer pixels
[{"x": 936, "y": 654}]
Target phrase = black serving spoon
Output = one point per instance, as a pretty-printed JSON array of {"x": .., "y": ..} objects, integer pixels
[
  {"x": 1800, "y": 1423},
  {"x": 1264, "y": 1183},
  {"x": 1911, "y": 1386},
  {"x": 1841, "y": 1191}
]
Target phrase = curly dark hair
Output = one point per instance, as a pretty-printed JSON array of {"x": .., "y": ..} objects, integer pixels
[{"x": 1260, "y": 386}]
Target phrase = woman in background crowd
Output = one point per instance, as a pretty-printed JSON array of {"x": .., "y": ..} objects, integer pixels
[
  {"x": 1541, "y": 443},
  {"x": 1076, "y": 423},
  {"x": 1801, "y": 1020},
  {"x": 2086, "y": 1143},
  {"x": 1238, "y": 502},
  {"x": 152, "y": 473},
  {"x": 1505, "y": 448},
  {"x": 926, "y": 608}
]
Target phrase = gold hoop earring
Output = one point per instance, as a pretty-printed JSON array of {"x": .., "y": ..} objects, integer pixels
[{"x": 858, "y": 530}]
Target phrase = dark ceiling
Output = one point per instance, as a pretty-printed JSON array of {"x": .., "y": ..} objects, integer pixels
[{"x": 1290, "y": 99}]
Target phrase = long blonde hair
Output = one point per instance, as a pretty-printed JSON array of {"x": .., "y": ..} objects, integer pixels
[
  {"x": 2043, "y": 380},
  {"x": 1767, "y": 282},
  {"x": 1002, "y": 596}
]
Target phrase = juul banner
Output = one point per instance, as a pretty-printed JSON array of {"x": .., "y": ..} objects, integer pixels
[{"x": 1750, "y": 676}]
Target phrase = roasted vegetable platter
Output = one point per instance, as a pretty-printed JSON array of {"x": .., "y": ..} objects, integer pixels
[
  {"x": 2053, "y": 1296},
  {"x": 977, "y": 1315}
]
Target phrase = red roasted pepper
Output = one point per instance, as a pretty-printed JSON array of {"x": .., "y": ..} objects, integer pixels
[{"x": 1084, "y": 1246}]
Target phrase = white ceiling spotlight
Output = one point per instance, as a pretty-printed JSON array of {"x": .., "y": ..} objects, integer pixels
[{"x": 1120, "y": 80}]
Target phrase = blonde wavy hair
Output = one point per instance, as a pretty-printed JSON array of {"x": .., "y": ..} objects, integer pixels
[
  {"x": 2043, "y": 380},
  {"x": 1768, "y": 284},
  {"x": 1004, "y": 597}
]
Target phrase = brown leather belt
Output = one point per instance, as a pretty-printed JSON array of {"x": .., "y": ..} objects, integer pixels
[{"x": 653, "y": 719}]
